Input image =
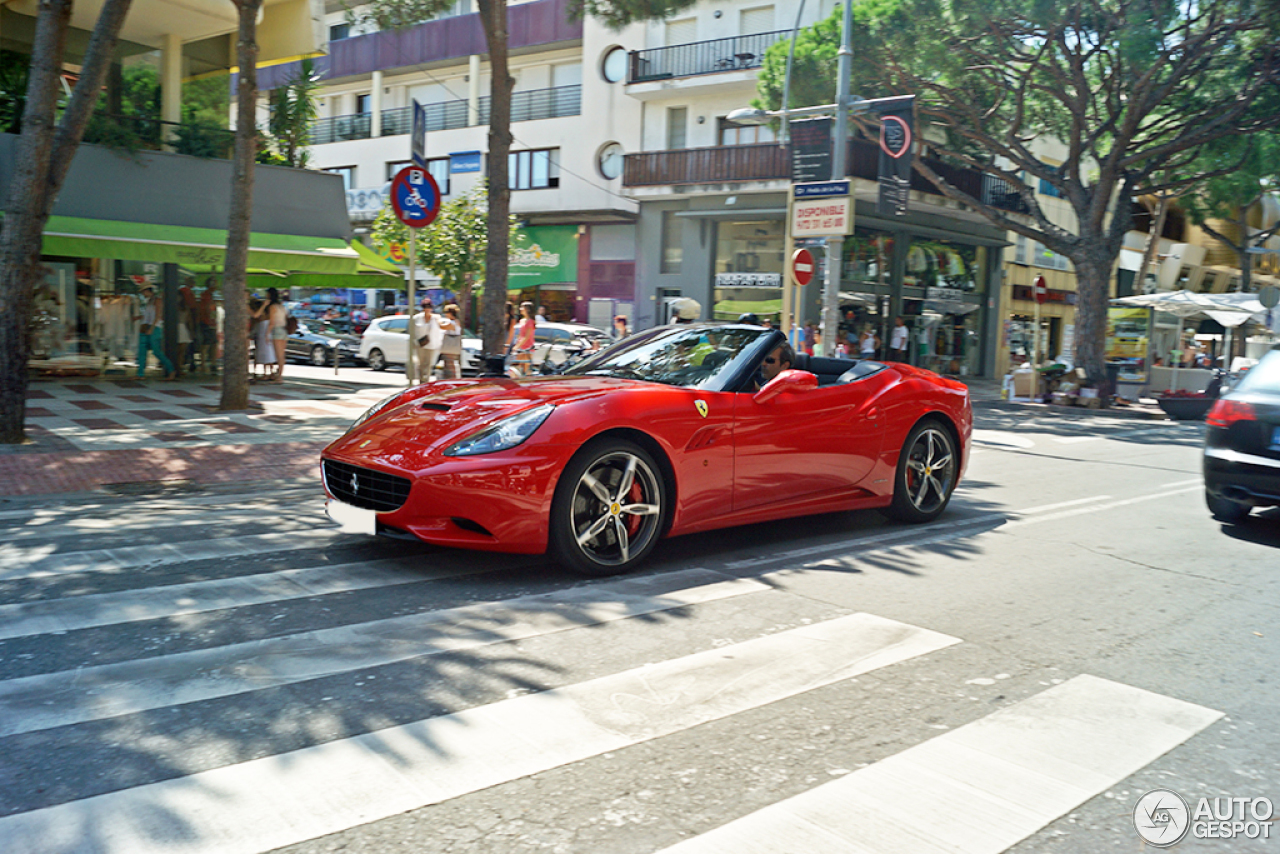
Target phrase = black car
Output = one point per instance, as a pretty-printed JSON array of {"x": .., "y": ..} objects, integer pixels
[
  {"x": 316, "y": 342},
  {"x": 1242, "y": 446}
]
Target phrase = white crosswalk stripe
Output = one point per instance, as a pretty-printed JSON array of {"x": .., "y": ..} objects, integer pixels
[{"x": 979, "y": 788}]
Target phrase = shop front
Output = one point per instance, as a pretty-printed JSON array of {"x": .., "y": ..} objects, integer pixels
[
  {"x": 543, "y": 269},
  {"x": 939, "y": 285},
  {"x": 749, "y": 266}
]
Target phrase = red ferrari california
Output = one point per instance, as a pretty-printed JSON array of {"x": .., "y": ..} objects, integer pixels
[{"x": 671, "y": 431}]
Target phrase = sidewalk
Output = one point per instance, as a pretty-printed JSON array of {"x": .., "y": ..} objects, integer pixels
[
  {"x": 987, "y": 394},
  {"x": 120, "y": 433}
]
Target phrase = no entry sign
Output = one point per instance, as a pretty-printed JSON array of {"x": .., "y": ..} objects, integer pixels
[
  {"x": 1041, "y": 290},
  {"x": 802, "y": 266}
]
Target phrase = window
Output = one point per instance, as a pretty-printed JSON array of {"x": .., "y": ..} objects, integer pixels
[
  {"x": 348, "y": 174},
  {"x": 1044, "y": 257},
  {"x": 534, "y": 170},
  {"x": 756, "y": 20},
  {"x": 672, "y": 242},
  {"x": 732, "y": 133},
  {"x": 394, "y": 166},
  {"x": 363, "y": 104},
  {"x": 1020, "y": 250},
  {"x": 338, "y": 32},
  {"x": 614, "y": 66},
  {"x": 682, "y": 31},
  {"x": 1047, "y": 189},
  {"x": 396, "y": 324},
  {"x": 609, "y": 161},
  {"x": 677, "y": 128}
]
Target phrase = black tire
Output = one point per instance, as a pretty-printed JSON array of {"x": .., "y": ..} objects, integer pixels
[
  {"x": 927, "y": 473},
  {"x": 376, "y": 360},
  {"x": 589, "y": 532},
  {"x": 319, "y": 356},
  {"x": 1224, "y": 509}
]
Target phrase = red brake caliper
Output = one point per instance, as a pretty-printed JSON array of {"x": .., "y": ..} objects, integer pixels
[{"x": 634, "y": 496}]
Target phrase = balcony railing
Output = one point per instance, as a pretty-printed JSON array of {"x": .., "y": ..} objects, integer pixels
[
  {"x": 768, "y": 161},
  {"x": 450, "y": 115},
  {"x": 705, "y": 57}
]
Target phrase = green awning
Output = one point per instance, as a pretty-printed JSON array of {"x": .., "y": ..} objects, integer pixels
[
  {"x": 373, "y": 261},
  {"x": 176, "y": 244}
]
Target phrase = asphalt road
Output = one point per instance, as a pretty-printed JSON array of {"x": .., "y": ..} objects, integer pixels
[{"x": 219, "y": 671}]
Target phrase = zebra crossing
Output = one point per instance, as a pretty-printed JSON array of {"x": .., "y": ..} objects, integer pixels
[{"x": 239, "y": 694}]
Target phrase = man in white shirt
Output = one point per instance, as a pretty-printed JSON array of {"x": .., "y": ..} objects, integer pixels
[
  {"x": 898, "y": 341},
  {"x": 428, "y": 337}
]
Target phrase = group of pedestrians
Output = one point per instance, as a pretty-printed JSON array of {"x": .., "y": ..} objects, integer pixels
[
  {"x": 197, "y": 331},
  {"x": 437, "y": 338}
]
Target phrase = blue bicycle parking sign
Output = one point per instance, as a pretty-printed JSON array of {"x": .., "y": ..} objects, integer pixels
[{"x": 415, "y": 197}]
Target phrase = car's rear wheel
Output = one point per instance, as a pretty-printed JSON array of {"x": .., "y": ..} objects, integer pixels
[
  {"x": 608, "y": 512},
  {"x": 376, "y": 360},
  {"x": 1224, "y": 509},
  {"x": 927, "y": 473},
  {"x": 319, "y": 357}
]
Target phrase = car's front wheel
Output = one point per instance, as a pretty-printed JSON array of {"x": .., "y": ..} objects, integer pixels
[
  {"x": 376, "y": 360},
  {"x": 927, "y": 473},
  {"x": 319, "y": 357},
  {"x": 609, "y": 508},
  {"x": 1224, "y": 509}
]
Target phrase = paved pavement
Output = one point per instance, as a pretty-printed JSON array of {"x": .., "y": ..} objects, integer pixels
[{"x": 121, "y": 434}]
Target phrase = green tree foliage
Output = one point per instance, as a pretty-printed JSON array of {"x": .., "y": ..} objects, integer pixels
[
  {"x": 293, "y": 110},
  {"x": 13, "y": 90},
  {"x": 1133, "y": 90}
]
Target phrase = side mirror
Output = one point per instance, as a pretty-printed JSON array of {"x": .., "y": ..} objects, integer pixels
[{"x": 790, "y": 380}]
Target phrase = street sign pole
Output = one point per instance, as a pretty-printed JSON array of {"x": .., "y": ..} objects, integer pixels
[
  {"x": 410, "y": 288},
  {"x": 840, "y": 146},
  {"x": 415, "y": 198}
]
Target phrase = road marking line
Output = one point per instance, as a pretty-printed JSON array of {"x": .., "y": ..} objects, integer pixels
[
  {"x": 39, "y": 702},
  {"x": 280, "y": 800},
  {"x": 979, "y": 789},
  {"x": 1044, "y": 507},
  {"x": 1195, "y": 481},
  {"x": 124, "y": 606},
  {"x": 1066, "y": 514}
]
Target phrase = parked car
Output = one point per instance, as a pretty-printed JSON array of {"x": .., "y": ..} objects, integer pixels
[
  {"x": 1242, "y": 444},
  {"x": 385, "y": 342},
  {"x": 317, "y": 342},
  {"x": 646, "y": 439}
]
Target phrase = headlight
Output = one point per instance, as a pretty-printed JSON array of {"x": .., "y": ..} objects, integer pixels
[
  {"x": 372, "y": 411},
  {"x": 507, "y": 433}
]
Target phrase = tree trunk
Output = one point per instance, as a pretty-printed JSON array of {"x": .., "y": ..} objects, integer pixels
[
  {"x": 1093, "y": 294},
  {"x": 43, "y": 157},
  {"x": 235, "y": 298},
  {"x": 493, "y": 15},
  {"x": 1153, "y": 241}
]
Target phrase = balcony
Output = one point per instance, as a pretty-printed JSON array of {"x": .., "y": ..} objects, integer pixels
[
  {"x": 450, "y": 115},
  {"x": 771, "y": 161},
  {"x": 705, "y": 57}
]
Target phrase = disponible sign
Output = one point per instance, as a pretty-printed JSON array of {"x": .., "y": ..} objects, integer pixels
[{"x": 822, "y": 217}]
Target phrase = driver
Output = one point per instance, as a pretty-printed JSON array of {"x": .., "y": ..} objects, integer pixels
[{"x": 780, "y": 358}]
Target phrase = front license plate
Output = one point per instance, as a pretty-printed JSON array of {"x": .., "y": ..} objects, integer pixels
[{"x": 354, "y": 520}]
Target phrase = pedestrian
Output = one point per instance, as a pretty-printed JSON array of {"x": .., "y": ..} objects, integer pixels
[
  {"x": 206, "y": 328},
  {"x": 810, "y": 338},
  {"x": 428, "y": 337},
  {"x": 869, "y": 343},
  {"x": 522, "y": 347},
  {"x": 451, "y": 349},
  {"x": 898, "y": 340},
  {"x": 277, "y": 332},
  {"x": 151, "y": 333},
  {"x": 620, "y": 329}
]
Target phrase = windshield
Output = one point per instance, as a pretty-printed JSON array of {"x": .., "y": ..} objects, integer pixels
[
  {"x": 1264, "y": 376},
  {"x": 702, "y": 356}
]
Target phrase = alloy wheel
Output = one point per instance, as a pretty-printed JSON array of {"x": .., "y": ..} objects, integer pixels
[
  {"x": 616, "y": 509},
  {"x": 930, "y": 471}
]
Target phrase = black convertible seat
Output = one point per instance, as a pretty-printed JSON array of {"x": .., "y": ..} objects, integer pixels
[{"x": 835, "y": 371}]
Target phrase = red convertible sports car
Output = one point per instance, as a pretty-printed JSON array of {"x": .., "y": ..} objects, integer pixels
[{"x": 668, "y": 432}]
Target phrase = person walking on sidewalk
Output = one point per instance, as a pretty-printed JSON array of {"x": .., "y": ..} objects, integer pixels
[
  {"x": 451, "y": 350},
  {"x": 428, "y": 337},
  {"x": 898, "y": 340},
  {"x": 151, "y": 333}
]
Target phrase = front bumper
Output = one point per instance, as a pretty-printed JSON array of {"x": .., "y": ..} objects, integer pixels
[{"x": 494, "y": 502}]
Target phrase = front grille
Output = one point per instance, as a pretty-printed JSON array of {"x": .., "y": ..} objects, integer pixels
[{"x": 361, "y": 487}]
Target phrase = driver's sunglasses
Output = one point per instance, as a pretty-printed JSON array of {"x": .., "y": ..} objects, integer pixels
[{"x": 771, "y": 361}]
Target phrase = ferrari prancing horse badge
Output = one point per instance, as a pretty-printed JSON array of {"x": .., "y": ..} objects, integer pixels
[{"x": 701, "y": 406}]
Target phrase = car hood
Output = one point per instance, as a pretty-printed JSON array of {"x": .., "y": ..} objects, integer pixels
[
  {"x": 354, "y": 340},
  {"x": 438, "y": 414}
]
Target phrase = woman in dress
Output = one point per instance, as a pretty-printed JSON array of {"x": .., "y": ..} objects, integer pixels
[
  {"x": 522, "y": 348},
  {"x": 451, "y": 350}
]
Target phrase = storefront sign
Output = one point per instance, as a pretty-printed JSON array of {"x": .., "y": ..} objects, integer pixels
[
  {"x": 1052, "y": 295},
  {"x": 543, "y": 255},
  {"x": 810, "y": 150},
  {"x": 748, "y": 280},
  {"x": 464, "y": 161},
  {"x": 820, "y": 190},
  {"x": 822, "y": 217},
  {"x": 947, "y": 301},
  {"x": 366, "y": 203},
  {"x": 1127, "y": 332}
]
